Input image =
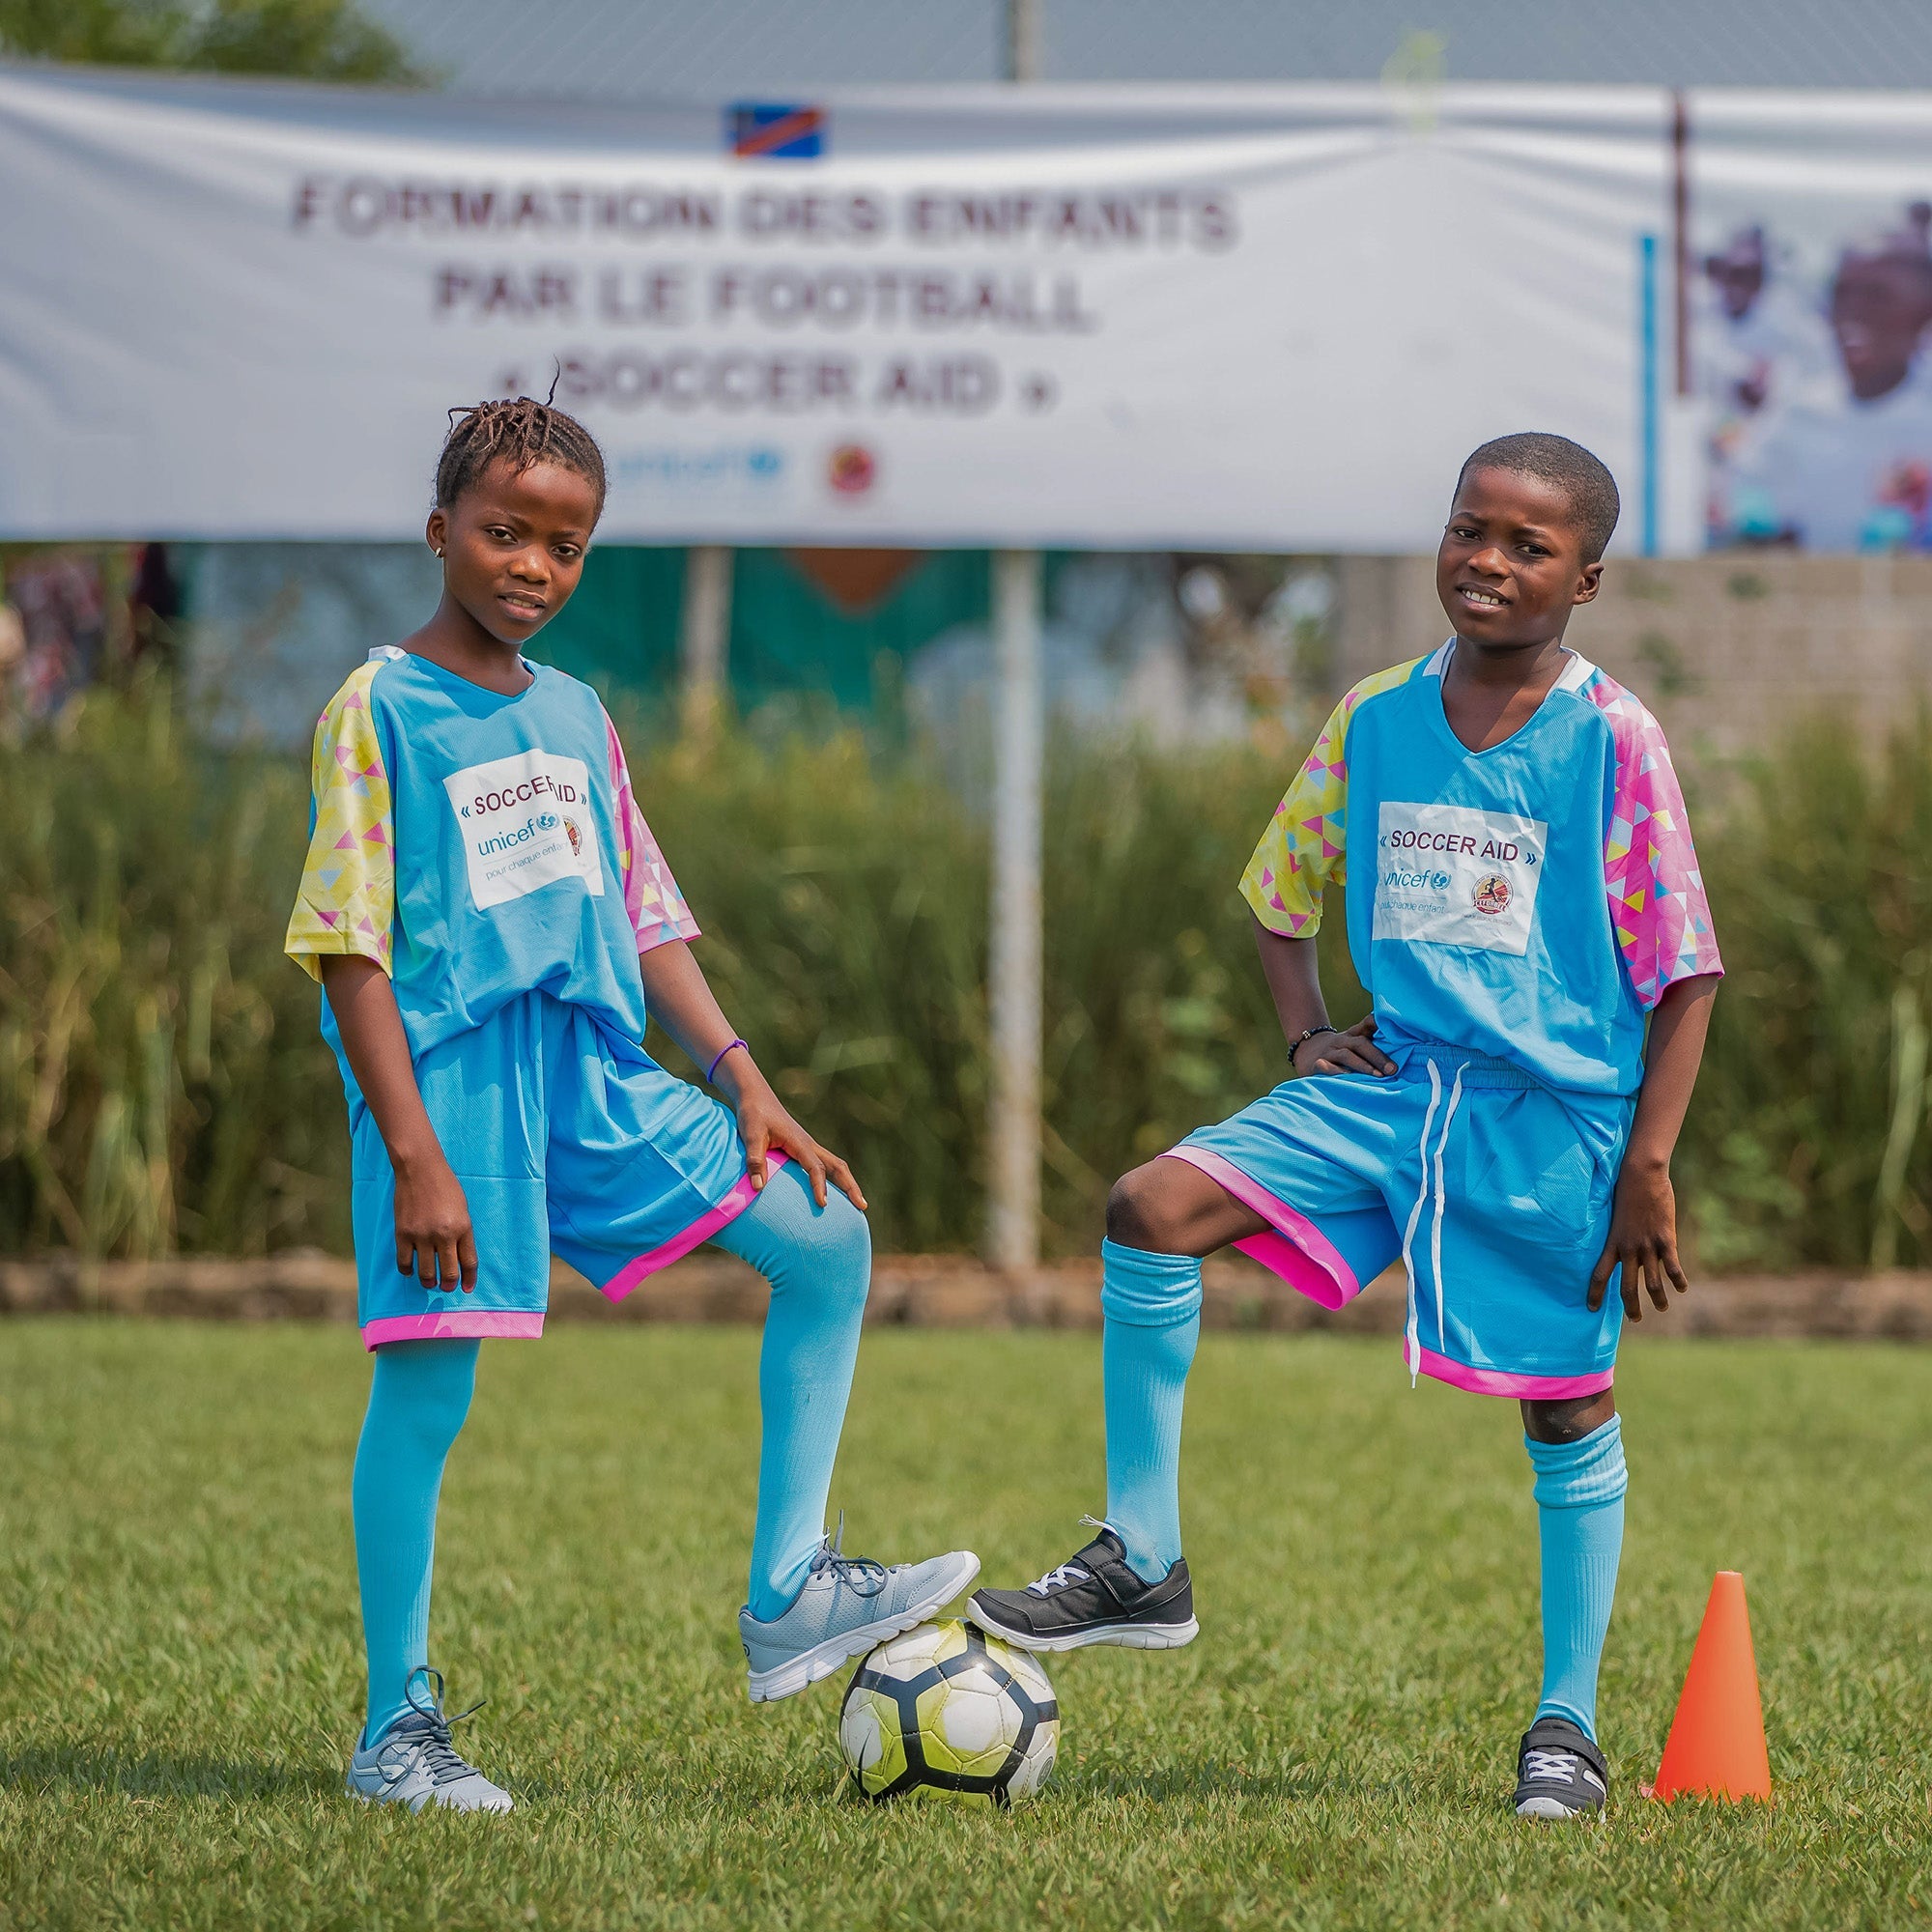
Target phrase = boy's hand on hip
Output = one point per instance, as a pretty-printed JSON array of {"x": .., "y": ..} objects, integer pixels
[
  {"x": 764, "y": 1125},
  {"x": 434, "y": 1240},
  {"x": 1643, "y": 1239},
  {"x": 1351, "y": 1050}
]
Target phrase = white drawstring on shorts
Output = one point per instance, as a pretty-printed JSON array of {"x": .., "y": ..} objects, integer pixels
[
  {"x": 1435, "y": 1232},
  {"x": 1411, "y": 1339}
]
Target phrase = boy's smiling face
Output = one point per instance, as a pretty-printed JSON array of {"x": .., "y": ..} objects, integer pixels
[{"x": 1511, "y": 568}]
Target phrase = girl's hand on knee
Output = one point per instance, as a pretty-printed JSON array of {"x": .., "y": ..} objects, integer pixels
[
  {"x": 764, "y": 1125},
  {"x": 434, "y": 1238}
]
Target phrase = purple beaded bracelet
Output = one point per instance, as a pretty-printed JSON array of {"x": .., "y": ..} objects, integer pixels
[{"x": 721, "y": 1052}]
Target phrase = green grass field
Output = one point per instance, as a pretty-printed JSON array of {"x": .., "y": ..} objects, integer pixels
[{"x": 180, "y": 1664}]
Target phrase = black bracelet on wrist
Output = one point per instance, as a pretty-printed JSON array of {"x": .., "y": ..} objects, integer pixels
[{"x": 1301, "y": 1039}]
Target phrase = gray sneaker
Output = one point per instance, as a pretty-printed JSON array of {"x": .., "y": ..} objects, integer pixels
[
  {"x": 414, "y": 1762},
  {"x": 848, "y": 1604}
]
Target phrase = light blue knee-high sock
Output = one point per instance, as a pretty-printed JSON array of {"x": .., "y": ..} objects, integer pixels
[
  {"x": 819, "y": 1263},
  {"x": 1580, "y": 1504},
  {"x": 1153, "y": 1309},
  {"x": 417, "y": 1400}
]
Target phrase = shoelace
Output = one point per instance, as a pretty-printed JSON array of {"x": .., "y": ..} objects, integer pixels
[
  {"x": 1558, "y": 1765},
  {"x": 1060, "y": 1578},
  {"x": 428, "y": 1734},
  {"x": 1064, "y": 1573},
  {"x": 860, "y": 1574}
]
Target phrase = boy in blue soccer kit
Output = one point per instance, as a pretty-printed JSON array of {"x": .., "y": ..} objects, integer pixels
[
  {"x": 493, "y": 925},
  {"x": 1526, "y": 911}
]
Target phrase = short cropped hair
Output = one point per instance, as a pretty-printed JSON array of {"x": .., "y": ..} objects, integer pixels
[{"x": 1584, "y": 478}]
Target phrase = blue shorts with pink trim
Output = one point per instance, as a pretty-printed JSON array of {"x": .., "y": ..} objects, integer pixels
[
  {"x": 1492, "y": 1188},
  {"x": 562, "y": 1146}
]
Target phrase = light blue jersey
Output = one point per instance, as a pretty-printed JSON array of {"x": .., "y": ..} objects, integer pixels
[
  {"x": 480, "y": 847},
  {"x": 1529, "y": 902}
]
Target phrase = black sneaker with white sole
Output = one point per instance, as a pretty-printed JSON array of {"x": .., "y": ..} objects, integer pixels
[
  {"x": 1093, "y": 1597},
  {"x": 1559, "y": 1773}
]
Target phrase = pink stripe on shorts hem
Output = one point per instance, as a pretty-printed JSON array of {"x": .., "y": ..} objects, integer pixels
[
  {"x": 1500, "y": 1382},
  {"x": 1295, "y": 1248},
  {"x": 443, "y": 1325},
  {"x": 696, "y": 1235}
]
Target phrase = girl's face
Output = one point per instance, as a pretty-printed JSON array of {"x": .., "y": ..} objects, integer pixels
[{"x": 512, "y": 546}]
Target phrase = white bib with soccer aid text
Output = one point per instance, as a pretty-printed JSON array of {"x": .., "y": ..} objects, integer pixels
[
  {"x": 1452, "y": 875},
  {"x": 526, "y": 822}
]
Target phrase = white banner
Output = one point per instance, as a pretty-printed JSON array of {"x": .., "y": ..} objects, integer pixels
[{"x": 1229, "y": 317}]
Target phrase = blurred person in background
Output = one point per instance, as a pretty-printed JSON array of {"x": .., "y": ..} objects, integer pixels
[
  {"x": 13, "y": 654},
  {"x": 1757, "y": 339},
  {"x": 63, "y": 608},
  {"x": 154, "y": 606},
  {"x": 1847, "y": 466}
]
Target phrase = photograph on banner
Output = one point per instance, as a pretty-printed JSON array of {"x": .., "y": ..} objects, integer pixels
[{"x": 1811, "y": 319}]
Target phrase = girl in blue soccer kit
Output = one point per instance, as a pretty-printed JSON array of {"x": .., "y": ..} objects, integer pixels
[
  {"x": 490, "y": 922},
  {"x": 1526, "y": 911}
]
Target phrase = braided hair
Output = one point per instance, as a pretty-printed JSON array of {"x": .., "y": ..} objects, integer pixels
[{"x": 521, "y": 434}]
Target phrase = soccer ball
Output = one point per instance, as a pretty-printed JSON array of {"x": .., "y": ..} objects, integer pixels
[{"x": 948, "y": 1712}]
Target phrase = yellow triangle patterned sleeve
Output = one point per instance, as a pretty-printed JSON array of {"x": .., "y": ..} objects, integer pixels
[
  {"x": 1306, "y": 843},
  {"x": 348, "y": 898}
]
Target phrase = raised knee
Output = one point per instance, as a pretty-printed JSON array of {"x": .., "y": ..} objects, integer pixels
[
  {"x": 833, "y": 1248},
  {"x": 1138, "y": 1214}
]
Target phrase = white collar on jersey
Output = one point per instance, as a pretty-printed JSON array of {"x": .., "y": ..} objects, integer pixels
[
  {"x": 1576, "y": 674},
  {"x": 390, "y": 653}
]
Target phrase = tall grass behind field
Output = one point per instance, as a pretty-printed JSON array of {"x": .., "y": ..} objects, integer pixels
[
  {"x": 162, "y": 1085},
  {"x": 1807, "y": 1139},
  {"x": 843, "y": 912}
]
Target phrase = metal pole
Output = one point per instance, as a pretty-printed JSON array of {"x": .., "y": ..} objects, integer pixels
[
  {"x": 1026, "y": 52},
  {"x": 706, "y": 631},
  {"x": 1018, "y": 708},
  {"x": 1680, "y": 235}
]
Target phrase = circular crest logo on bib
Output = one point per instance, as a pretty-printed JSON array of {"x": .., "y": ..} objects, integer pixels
[
  {"x": 1493, "y": 893},
  {"x": 576, "y": 837}
]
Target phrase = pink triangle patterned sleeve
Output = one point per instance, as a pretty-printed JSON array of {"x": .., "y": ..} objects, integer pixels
[
  {"x": 656, "y": 907},
  {"x": 1656, "y": 891}
]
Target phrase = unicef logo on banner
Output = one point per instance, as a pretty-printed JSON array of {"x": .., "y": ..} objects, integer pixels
[
  {"x": 761, "y": 131},
  {"x": 747, "y": 471}
]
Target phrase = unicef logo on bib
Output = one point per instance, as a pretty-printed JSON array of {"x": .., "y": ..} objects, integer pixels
[
  {"x": 1452, "y": 875},
  {"x": 525, "y": 823}
]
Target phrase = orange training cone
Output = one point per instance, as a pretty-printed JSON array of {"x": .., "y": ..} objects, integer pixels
[{"x": 1715, "y": 1747}]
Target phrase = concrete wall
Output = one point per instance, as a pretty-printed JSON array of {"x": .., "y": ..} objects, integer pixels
[{"x": 1725, "y": 649}]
